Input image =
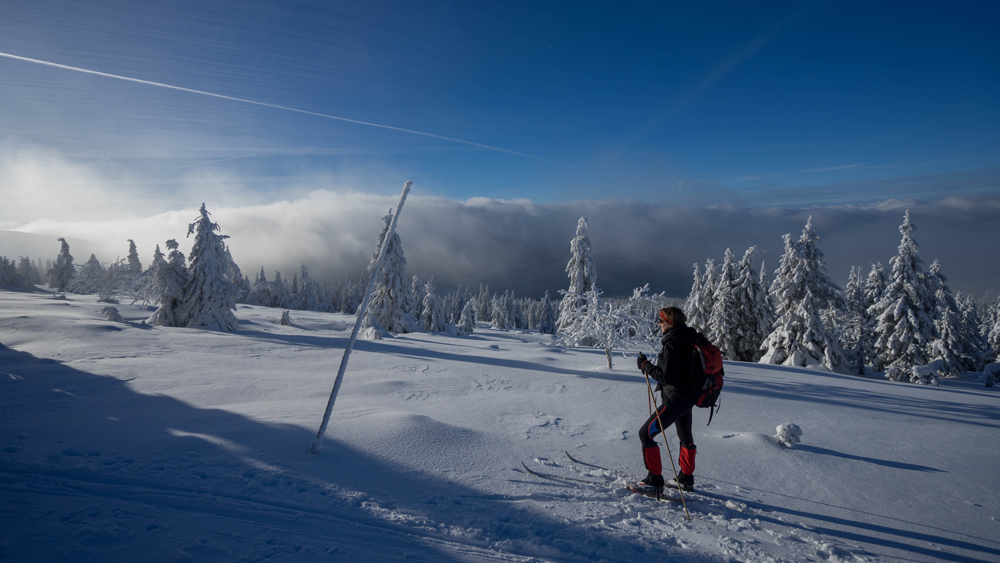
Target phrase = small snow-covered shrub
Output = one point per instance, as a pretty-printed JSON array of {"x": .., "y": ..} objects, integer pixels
[
  {"x": 991, "y": 375},
  {"x": 285, "y": 319},
  {"x": 928, "y": 374},
  {"x": 788, "y": 435},
  {"x": 111, "y": 314}
]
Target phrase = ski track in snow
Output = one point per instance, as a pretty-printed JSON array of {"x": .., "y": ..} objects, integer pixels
[{"x": 124, "y": 442}]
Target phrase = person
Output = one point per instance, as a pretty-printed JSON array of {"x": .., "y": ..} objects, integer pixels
[{"x": 672, "y": 373}]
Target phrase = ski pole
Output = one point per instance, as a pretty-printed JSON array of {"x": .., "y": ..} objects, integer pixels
[
  {"x": 663, "y": 432},
  {"x": 317, "y": 444}
]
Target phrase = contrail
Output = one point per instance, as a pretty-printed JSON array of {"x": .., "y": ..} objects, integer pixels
[
  {"x": 275, "y": 106},
  {"x": 209, "y": 162}
]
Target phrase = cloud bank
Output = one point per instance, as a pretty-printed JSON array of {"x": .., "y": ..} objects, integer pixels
[{"x": 507, "y": 244}]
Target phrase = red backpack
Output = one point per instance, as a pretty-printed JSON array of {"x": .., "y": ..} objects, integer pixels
[{"x": 707, "y": 375}]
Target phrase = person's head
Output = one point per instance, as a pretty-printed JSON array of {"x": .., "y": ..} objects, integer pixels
[{"x": 671, "y": 317}]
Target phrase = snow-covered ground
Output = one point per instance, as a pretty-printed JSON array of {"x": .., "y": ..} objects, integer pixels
[{"x": 125, "y": 442}]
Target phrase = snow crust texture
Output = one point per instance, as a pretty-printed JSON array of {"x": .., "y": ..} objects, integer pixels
[{"x": 123, "y": 442}]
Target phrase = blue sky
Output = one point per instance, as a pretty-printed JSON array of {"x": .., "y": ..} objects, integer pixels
[
  {"x": 679, "y": 129},
  {"x": 761, "y": 104}
]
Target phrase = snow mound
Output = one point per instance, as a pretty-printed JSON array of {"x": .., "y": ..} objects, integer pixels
[
  {"x": 788, "y": 435},
  {"x": 112, "y": 314}
]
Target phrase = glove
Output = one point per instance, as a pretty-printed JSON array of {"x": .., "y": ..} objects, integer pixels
[{"x": 641, "y": 361}]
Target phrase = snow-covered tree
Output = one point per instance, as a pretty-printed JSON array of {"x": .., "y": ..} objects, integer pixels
[
  {"x": 168, "y": 288},
  {"x": 903, "y": 329},
  {"x": 800, "y": 290},
  {"x": 485, "y": 303},
  {"x": 467, "y": 322},
  {"x": 976, "y": 351},
  {"x": 62, "y": 271},
  {"x": 709, "y": 281},
  {"x": 582, "y": 272},
  {"x": 993, "y": 335},
  {"x": 547, "y": 316},
  {"x": 307, "y": 298},
  {"x": 30, "y": 275},
  {"x": 724, "y": 328},
  {"x": 432, "y": 315},
  {"x": 607, "y": 325},
  {"x": 855, "y": 334},
  {"x": 209, "y": 296},
  {"x": 753, "y": 315},
  {"x": 949, "y": 345},
  {"x": 391, "y": 303},
  {"x": 9, "y": 277},
  {"x": 91, "y": 277},
  {"x": 697, "y": 315},
  {"x": 134, "y": 265},
  {"x": 349, "y": 301},
  {"x": 500, "y": 317},
  {"x": 418, "y": 294}
]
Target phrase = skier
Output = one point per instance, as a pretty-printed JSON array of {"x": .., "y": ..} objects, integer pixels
[{"x": 672, "y": 373}]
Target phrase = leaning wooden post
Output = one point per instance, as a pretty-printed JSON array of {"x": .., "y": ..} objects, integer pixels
[{"x": 317, "y": 445}]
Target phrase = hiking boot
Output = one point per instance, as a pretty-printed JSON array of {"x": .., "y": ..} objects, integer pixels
[
  {"x": 683, "y": 482},
  {"x": 652, "y": 482}
]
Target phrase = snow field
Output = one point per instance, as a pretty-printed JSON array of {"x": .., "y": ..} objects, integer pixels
[{"x": 120, "y": 441}]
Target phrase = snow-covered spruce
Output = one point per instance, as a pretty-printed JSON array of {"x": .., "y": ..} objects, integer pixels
[
  {"x": 63, "y": 271},
  {"x": 755, "y": 316},
  {"x": 903, "y": 328},
  {"x": 582, "y": 272},
  {"x": 168, "y": 288},
  {"x": 467, "y": 321},
  {"x": 724, "y": 329},
  {"x": 694, "y": 307},
  {"x": 209, "y": 296},
  {"x": 432, "y": 315},
  {"x": 800, "y": 290},
  {"x": 547, "y": 316},
  {"x": 391, "y": 302}
]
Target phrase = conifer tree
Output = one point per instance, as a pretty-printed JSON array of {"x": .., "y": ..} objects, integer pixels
[
  {"x": 724, "y": 329},
  {"x": 209, "y": 296},
  {"x": 134, "y": 265},
  {"x": 800, "y": 290},
  {"x": 709, "y": 280},
  {"x": 391, "y": 302},
  {"x": 484, "y": 303},
  {"x": 169, "y": 280},
  {"x": 498, "y": 314},
  {"x": 418, "y": 294},
  {"x": 697, "y": 315},
  {"x": 976, "y": 350},
  {"x": 547, "y": 316},
  {"x": 63, "y": 271},
  {"x": 753, "y": 314},
  {"x": 432, "y": 316},
  {"x": 903, "y": 330},
  {"x": 582, "y": 272},
  {"x": 467, "y": 321},
  {"x": 308, "y": 291},
  {"x": 856, "y": 333},
  {"x": 949, "y": 344}
]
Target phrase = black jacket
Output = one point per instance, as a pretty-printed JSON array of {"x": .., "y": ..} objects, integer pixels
[{"x": 673, "y": 366}]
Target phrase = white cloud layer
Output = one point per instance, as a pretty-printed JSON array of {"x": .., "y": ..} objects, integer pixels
[{"x": 516, "y": 245}]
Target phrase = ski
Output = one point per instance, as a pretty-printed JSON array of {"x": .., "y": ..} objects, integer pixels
[
  {"x": 574, "y": 460},
  {"x": 562, "y": 478},
  {"x": 662, "y": 497},
  {"x": 693, "y": 492}
]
